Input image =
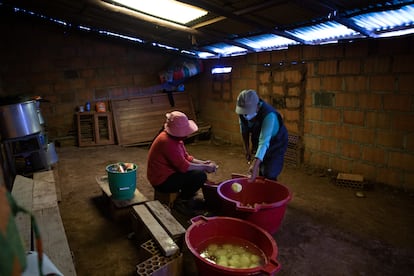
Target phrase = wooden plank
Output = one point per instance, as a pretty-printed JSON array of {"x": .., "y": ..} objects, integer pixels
[
  {"x": 46, "y": 176},
  {"x": 351, "y": 177},
  {"x": 55, "y": 168},
  {"x": 44, "y": 190},
  {"x": 139, "y": 119},
  {"x": 22, "y": 192},
  {"x": 166, "y": 219},
  {"x": 54, "y": 240},
  {"x": 166, "y": 243},
  {"x": 104, "y": 185}
]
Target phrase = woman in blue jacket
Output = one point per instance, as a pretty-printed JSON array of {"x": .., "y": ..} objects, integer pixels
[{"x": 263, "y": 127}]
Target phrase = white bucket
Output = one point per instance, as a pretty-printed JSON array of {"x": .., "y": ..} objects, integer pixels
[{"x": 51, "y": 154}]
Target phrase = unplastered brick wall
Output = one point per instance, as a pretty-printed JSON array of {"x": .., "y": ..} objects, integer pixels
[
  {"x": 358, "y": 105},
  {"x": 69, "y": 68},
  {"x": 359, "y": 109}
]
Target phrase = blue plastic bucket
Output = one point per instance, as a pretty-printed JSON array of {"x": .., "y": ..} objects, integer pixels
[{"x": 122, "y": 184}]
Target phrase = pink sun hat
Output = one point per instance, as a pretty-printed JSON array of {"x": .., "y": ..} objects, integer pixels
[{"x": 178, "y": 125}]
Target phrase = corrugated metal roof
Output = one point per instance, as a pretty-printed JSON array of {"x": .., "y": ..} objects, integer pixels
[{"x": 231, "y": 27}]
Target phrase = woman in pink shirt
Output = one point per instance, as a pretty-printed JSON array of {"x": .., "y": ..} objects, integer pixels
[{"x": 170, "y": 167}]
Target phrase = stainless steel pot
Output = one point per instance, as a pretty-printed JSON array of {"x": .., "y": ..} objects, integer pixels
[{"x": 18, "y": 120}]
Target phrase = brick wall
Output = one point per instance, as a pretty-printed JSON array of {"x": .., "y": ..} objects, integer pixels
[
  {"x": 69, "y": 68},
  {"x": 358, "y": 104}
]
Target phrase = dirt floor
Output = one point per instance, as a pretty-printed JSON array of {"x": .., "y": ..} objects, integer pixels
[{"x": 327, "y": 229}]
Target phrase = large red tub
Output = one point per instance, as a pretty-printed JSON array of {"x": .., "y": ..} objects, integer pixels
[
  {"x": 203, "y": 229},
  {"x": 262, "y": 202}
]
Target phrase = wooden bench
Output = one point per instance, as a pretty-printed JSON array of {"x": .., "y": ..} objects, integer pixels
[
  {"x": 166, "y": 231},
  {"x": 38, "y": 195},
  {"x": 119, "y": 209},
  {"x": 153, "y": 219}
]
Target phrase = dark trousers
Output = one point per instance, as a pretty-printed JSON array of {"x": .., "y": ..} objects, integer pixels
[{"x": 187, "y": 184}]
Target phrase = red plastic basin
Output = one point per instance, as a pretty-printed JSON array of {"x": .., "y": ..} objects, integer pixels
[
  {"x": 204, "y": 229},
  {"x": 262, "y": 202}
]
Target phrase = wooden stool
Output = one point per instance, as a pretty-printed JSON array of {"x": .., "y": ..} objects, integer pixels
[{"x": 166, "y": 198}]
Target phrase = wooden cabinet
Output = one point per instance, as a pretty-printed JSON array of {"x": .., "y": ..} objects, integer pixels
[{"x": 95, "y": 128}]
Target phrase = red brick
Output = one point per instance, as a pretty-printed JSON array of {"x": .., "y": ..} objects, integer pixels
[
  {"x": 293, "y": 76},
  {"x": 370, "y": 101},
  {"x": 320, "y": 129},
  {"x": 410, "y": 142},
  {"x": 310, "y": 52},
  {"x": 264, "y": 77},
  {"x": 250, "y": 83},
  {"x": 369, "y": 171},
  {"x": 278, "y": 56},
  {"x": 332, "y": 83},
  {"x": 313, "y": 114},
  {"x": 293, "y": 102},
  {"x": 378, "y": 120},
  {"x": 278, "y": 76},
  {"x": 351, "y": 150},
  {"x": 403, "y": 63},
  {"x": 294, "y": 91},
  {"x": 403, "y": 122},
  {"x": 345, "y": 100},
  {"x": 329, "y": 145},
  {"x": 382, "y": 83},
  {"x": 332, "y": 51},
  {"x": 319, "y": 159},
  {"x": 341, "y": 132},
  {"x": 310, "y": 69},
  {"x": 313, "y": 84},
  {"x": 263, "y": 90},
  {"x": 292, "y": 126},
  {"x": 350, "y": 66},
  {"x": 340, "y": 164},
  {"x": 248, "y": 72},
  {"x": 356, "y": 83},
  {"x": 401, "y": 160},
  {"x": 408, "y": 183},
  {"x": 328, "y": 67},
  {"x": 389, "y": 176},
  {"x": 398, "y": 102},
  {"x": 278, "y": 90},
  {"x": 264, "y": 57},
  {"x": 312, "y": 142},
  {"x": 377, "y": 65},
  {"x": 357, "y": 49},
  {"x": 294, "y": 53},
  {"x": 405, "y": 83},
  {"x": 354, "y": 117},
  {"x": 394, "y": 139},
  {"x": 331, "y": 115},
  {"x": 374, "y": 155},
  {"x": 363, "y": 135},
  {"x": 291, "y": 115}
]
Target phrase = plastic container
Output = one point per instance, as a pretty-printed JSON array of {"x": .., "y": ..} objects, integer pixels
[
  {"x": 262, "y": 202},
  {"x": 122, "y": 184},
  {"x": 211, "y": 197},
  {"x": 100, "y": 107},
  {"x": 51, "y": 154},
  {"x": 204, "y": 229}
]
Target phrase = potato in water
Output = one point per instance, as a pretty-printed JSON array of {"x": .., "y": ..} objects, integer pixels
[{"x": 232, "y": 255}]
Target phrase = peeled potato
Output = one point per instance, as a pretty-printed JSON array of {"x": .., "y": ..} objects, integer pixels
[{"x": 236, "y": 187}]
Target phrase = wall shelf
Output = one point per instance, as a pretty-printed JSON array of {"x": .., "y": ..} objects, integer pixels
[{"x": 94, "y": 128}]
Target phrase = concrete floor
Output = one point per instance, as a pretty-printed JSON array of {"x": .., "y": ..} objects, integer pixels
[{"x": 327, "y": 230}]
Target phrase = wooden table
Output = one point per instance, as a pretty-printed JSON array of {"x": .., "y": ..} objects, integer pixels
[{"x": 119, "y": 207}]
